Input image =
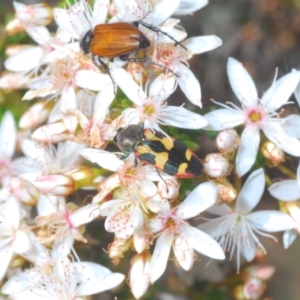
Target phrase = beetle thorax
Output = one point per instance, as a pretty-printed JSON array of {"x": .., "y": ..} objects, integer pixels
[{"x": 127, "y": 138}]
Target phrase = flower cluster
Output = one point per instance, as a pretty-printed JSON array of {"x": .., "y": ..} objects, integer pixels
[{"x": 86, "y": 95}]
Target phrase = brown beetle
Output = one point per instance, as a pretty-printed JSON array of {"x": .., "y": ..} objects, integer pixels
[{"x": 121, "y": 40}]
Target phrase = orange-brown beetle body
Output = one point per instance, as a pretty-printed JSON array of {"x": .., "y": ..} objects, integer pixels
[{"x": 114, "y": 40}]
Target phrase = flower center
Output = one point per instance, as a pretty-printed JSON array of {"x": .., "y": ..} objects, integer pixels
[
  {"x": 149, "y": 110},
  {"x": 255, "y": 116}
]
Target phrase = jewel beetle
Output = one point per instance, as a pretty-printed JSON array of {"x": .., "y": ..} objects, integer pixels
[{"x": 153, "y": 147}]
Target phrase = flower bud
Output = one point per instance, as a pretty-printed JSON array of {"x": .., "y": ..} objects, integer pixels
[
  {"x": 12, "y": 81},
  {"x": 273, "y": 153},
  {"x": 117, "y": 249},
  {"x": 40, "y": 14},
  {"x": 35, "y": 115},
  {"x": 168, "y": 189},
  {"x": 14, "y": 27},
  {"x": 142, "y": 240},
  {"x": 216, "y": 165},
  {"x": 253, "y": 289},
  {"x": 227, "y": 141},
  {"x": 139, "y": 274},
  {"x": 26, "y": 192},
  {"x": 55, "y": 184},
  {"x": 227, "y": 192}
]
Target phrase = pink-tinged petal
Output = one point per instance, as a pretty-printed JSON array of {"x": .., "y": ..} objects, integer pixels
[
  {"x": 180, "y": 117},
  {"x": 291, "y": 125},
  {"x": 5, "y": 257},
  {"x": 184, "y": 252},
  {"x": 8, "y": 135},
  {"x": 289, "y": 237},
  {"x": 251, "y": 192},
  {"x": 126, "y": 83},
  {"x": 160, "y": 255},
  {"x": 223, "y": 118},
  {"x": 107, "y": 207},
  {"x": 189, "y": 85},
  {"x": 106, "y": 160},
  {"x": 241, "y": 82},
  {"x": 163, "y": 10},
  {"x": 187, "y": 7},
  {"x": 247, "y": 151},
  {"x": 201, "y": 44},
  {"x": 162, "y": 87},
  {"x": 284, "y": 141},
  {"x": 220, "y": 210},
  {"x": 202, "y": 197},
  {"x": 270, "y": 220},
  {"x": 25, "y": 60},
  {"x": 63, "y": 20},
  {"x": 88, "y": 79},
  {"x": 21, "y": 243},
  {"x": 68, "y": 102},
  {"x": 202, "y": 242},
  {"x": 280, "y": 91},
  {"x": 286, "y": 190},
  {"x": 155, "y": 225},
  {"x": 84, "y": 215}
]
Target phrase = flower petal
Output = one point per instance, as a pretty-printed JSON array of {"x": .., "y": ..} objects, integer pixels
[
  {"x": 241, "y": 82},
  {"x": 189, "y": 85},
  {"x": 202, "y": 197},
  {"x": 280, "y": 91},
  {"x": 251, "y": 192},
  {"x": 286, "y": 190},
  {"x": 160, "y": 255},
  {"x": 88, "y": 79},
  {"x": 201, "y": 44},
  {"x": 202, "y": 242},
  {"x": 284, "y": 141},
  {"x": 8, "y": 135},
  {"x": 291, "y": 125},
  {"x": 187, "y": 7},
  {"x": 104, "y": 159},
  {"x": 126, "y": 83},
  {"x": 247, "y": 150},
  {"x": 270, "y": 220},
  {"x": 289, "y": 237},
  {"x": 180, "y": 117},
  {"x": 223, "y": 118},
  {"x": 163, "y": 10},
  {"x": 162, "y": 87},
  {"x": 184, "y": 253}
]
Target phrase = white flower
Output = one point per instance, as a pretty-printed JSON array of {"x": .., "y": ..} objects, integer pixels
[
  {"x": 255, "y": 114},
  {"x": 13, "y": 235},
  {"x": 289, "y": 191},
  {"x": 189, "y": 6},
  {"x": 8, "y": 139},
  {"x": 175, "y": 230},
  {"x": 48, "y": 160},
  {"x": 152, "y": 109},
  {"x": 236, "y": 229},
  {"x": 63, "y": 280}
]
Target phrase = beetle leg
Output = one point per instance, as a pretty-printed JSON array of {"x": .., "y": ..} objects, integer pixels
[
  {"x": 104, "y": 65},
  {"x": 158, "y": 30},
  {"x": 125, "y": 155},
  {"x": 163, "y": 180}
]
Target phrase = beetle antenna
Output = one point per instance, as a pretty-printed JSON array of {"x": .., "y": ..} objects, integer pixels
[
  {"x": 158, "y": 30},
  {"x": 163, "y": 180}
]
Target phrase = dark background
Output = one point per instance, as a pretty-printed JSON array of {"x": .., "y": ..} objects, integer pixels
[{"x": 263, "y": 35}]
